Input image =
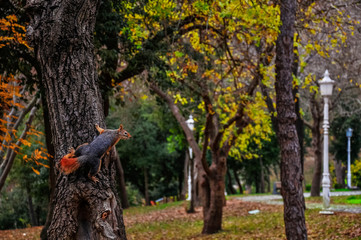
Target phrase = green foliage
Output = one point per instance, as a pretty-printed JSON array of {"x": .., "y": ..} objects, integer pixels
[
  {"x": 13, "y": 207},
  {"x": 264, "y": 159},
  {"x": 148, "y": 149},
  {"x": 135, "y": 198},
  {"x": 354, "y": 200},
  {"x": 338, "y": 143},
  {"x": 356, "y": 173},
  {"x": 28, "y": 179}
]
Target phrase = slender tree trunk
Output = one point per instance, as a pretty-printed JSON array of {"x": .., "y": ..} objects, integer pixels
[
  {"x": 291, "y": 169},
  {"x": 193, "y": 187},
  {"x": 237, "y": 181},
  {"x": 146, "y": 190},
  {"x": 316, "y": 113},
  {"x": 121, "y": 181},
  {"x": 230, "y": 185},
  {"x": 299, "y": 122},
  {"x": 51, "y": 152},
  {"x": 317, "y": 174},
  {"x": 32, "y": 215},
  {"x": 186, "y": 169},
  {"x": 61, "y": 33},
  {"x": 340, "y": 173},
  {"x": 262, "y": 184},
  {"x": 11, "y": 153}
]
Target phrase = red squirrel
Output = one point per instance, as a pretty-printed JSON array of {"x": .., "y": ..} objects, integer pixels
[{"x": 91, "y": 154}]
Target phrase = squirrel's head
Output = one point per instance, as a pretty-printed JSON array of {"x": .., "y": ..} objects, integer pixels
[
  {"x": 123, "y": 133},
  {"x": 120, "y": 133}
]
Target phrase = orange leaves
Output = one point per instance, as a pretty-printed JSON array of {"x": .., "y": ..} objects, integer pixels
[
  {"x": 12, "y": 32},
  {"x": 36, "y": 171},
  {"x": 12, "y": 117},
  {"x": 38, "y": 156},
  {"x": 8, "y": 90}
]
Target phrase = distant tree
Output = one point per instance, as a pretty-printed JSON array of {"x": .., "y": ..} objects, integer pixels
[{"x": 257, "y": 168}]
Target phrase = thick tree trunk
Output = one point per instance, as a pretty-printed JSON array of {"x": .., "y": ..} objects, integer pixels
[
  {"x": 61, "y": 33},
  {"x": 213, "y": 202},
  {"x": 291, "y": 169},
  {"x": 210, "y": 179}
]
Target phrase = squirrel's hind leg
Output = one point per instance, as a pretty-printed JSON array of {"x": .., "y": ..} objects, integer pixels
[{"x": 95, "y": 168}]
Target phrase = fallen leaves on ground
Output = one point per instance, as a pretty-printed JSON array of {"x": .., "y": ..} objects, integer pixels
[
  {"x": 234, "y": 207},
  {"x": 19, "y": 234},
  {"x": 173, "y": 222}
]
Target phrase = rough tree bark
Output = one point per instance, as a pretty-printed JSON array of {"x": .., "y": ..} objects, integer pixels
[
  {"x": 291, "y": 169},
  {"x": 61, "y": 33}
]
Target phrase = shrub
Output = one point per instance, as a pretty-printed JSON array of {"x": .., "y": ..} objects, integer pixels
[
  {"x": 356, "y": 173},
  {"x": 135, "y": 198}
]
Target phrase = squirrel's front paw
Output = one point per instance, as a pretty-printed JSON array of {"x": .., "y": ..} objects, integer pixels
[
  {"x": 71, "y": 150},
  {"x": 94, "y": 179}
]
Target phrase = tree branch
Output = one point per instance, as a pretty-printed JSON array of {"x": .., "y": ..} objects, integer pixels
[
  {"x": 146, "y": 57},
  {"x": 17, "y": 124},
  {"x": 181, "y": 120},
  {"x": 13, "y": 152}
]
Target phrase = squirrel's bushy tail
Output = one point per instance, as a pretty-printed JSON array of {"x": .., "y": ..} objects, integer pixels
[{"x": 68, "y": 164}]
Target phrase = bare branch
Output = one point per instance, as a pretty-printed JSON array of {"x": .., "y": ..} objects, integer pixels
[
  {"x": 13, "y": 152},
  {"x": 25, "y": 111}
]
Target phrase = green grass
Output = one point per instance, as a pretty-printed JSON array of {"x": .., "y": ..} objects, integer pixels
[
  {"x": 161, "y": 222},
  {"x": 341, "y": 190},
  {"x": 257, "y": 226},
  {"x": 268, "y": 224},
  {"x": 143, "y": 210},
  {"x": 356, "y": 199}
]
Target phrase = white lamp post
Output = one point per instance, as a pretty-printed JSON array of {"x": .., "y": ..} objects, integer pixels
[
  {"x": 349, "y": 135},
  {"x": 190, "y": 123},
  {"x": 326, "y": 85}
]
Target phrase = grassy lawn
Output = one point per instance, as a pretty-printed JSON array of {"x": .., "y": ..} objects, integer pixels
[
  {"x": 170, "y": 221},
  {"x": 173, "y": 223},
  {"x": 356, "y": 199}
]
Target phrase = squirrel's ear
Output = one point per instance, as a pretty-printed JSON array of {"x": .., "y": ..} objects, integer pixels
[
  {"x": 100, "y": 130},
  {"x": 120, "y": 128}
]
